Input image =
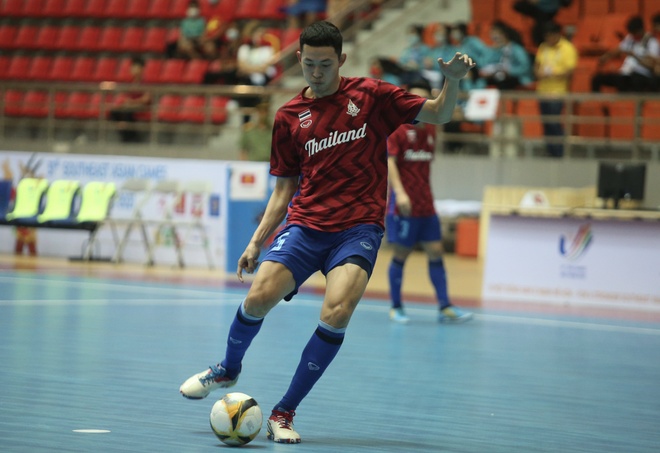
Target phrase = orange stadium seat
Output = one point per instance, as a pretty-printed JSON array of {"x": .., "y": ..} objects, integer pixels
[
  {"x": 74, "y": 8},
  {"x": 621, "y": 120},
  {"x": 169, "y": 107},
  {"x": 613, "y": 30},
  {"x": 591, "y": 8},
  {"x": 132, "y": 40},
  {"x": 18, "y": 67},
  {"x": 26, "y": 37},
  {"x": 483, "y": 10},
  {"x": 628, "y": 7},
  {"x": 568, "y": 15},
  {"x": 194, "y": 71},
  {"x": 172, "y": 71},
  {"x": 54, "y": 9},
  {"x": 528, "y": 111},
  {"x": 154, "y": 39},
  {"x": 582, "y": 75},
  {"x": 61, "y": 69},
  {"x": 591, "y": 119},
  {"x": 88, "y": 40},
  {"x": 47, "y": 37},
  {"x": 82, "y": 69},
  {"x": 650, "y": 7},
  {"x": 8, "y": 36},
  {"x": 105, "y": 70},
  {"x": 651, "y": 125},
  {"x": 587, "y": 37}
]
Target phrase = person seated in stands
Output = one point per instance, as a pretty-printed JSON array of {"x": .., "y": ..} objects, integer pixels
[
  {"x": 655, "y": 31},
  {"x": 223, "y": 68},
  {"x": 507, "y": 65},
  {"x": 301, "y": 13},
  {"x": 191, "y": 32},
  {"x": 416, "y": 55},
  {"x": 466, "y": 43},
  {"x": 555, "y": 62},
  {"x": 542, "y": 11},
  {"x": 641, "y": 50},
  {"x": 130, "y": 104}
]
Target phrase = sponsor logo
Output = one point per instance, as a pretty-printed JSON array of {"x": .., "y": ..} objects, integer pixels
[
  {"x": 312, "y": 366},
  {"x": 234, "y": 341},
  {"x": 366, "y": 245},
  {"x": 573, "y": 247},
  {"x": 411, "y": 134},
  {"x": 305, "y": 118},
  {"x": 335, "y": 138},
  {"x": 418, "y": 155},
  {"x": 352, "y": 109}
]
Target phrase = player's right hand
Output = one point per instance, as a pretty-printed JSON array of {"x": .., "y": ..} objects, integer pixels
[{"x": 248, "y": 261}]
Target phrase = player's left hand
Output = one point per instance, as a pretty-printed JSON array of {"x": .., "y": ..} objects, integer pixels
[{"x": 457, "y": 67}]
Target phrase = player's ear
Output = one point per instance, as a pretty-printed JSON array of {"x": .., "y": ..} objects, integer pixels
[
  {"x": 342, "y": 59},
  {"x": 299, "y": 56}
]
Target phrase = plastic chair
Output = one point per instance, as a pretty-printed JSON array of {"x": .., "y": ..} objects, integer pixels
[
  {"x": 40, "y": 68},
  {"x": 29, "y": 199},
  {"x": 5, "y": 197},
  {"x": 650, "y": 7},
  {"x": 152, "y": 71},
  {"x": 61, "y": 68},
  {"x": 154, "y": 39},
  {"x": 166, "y": 10},
  {"x": 54, "y": 8},
  {"x": 82, "y": 70},
  {"x": 96, "y": 9},
  {"x": 26, "y": 37},
  {"x": 591, "y": 8},
  {"x": 172, "y": 71},
  {"x": 651, "y": 124},
  {"x": 582, "y": 75},
  {"x": 14, "y": 102},
  {"x": 198, "y": 192},
  {"x": 116, "y": 9},
  {"x": 35, "y": 104},
  {"x": 74, "y": 8},
  {"x": 592, "y": 121},
  {"x": 272, "y": 10},
  {"x": 105, "y": 69},
  {"x": 169, "y": 107},
  {"x": 33, "y": 8},
  {"x": 8, "y": 36},
  {"x": 4, "y": 66},
  {"x": 483, "y": 10},
  {"x": 219, "y": 113},
  {"x": 110, "y": 39},
  {"x": 47, "y": 37},
  {"x": 78, "y": 106},
  {"x": 138, "y": 9},
  {"x": 131, "y": 40},
  {"x": 194, "y": 71},
  {"x": 95, "y": 206},
  {"x": 193, "y": 109},
  {"x": 18, "y": 68},
  {"x": 628, "y": 7},
  {"x": 621, "y": 120},
  {"x": 89, "y": 40},
  {"x": 135, "y": 187},
  {"x": 248, "y": 9},
  {"x": 526, "y": 110},
  {"x": 60, "y": 199},
  {"x": 11, "y": 8}
]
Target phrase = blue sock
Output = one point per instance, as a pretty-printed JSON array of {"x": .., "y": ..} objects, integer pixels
[
  {"x": 396, "y": 277},
  {"x": 241, "y": 333},
  {"x": 317, "y": 355},
  {"x": 439, "y": 279}
]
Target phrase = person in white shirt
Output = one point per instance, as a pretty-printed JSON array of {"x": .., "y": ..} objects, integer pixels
[{"x": 640, "y": 49}]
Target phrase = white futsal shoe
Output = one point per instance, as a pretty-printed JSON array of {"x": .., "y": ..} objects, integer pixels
[
  {"x": 200, "y": 385},
  {"x": 280, "y": 427}
]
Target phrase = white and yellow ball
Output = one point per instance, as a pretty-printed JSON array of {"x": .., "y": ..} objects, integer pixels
[{"x": 236, "y": 419}]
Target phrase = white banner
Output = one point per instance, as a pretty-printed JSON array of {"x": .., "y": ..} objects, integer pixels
[
  {"x": 118, "y": 169},
  {"x": 570, "y": 260}
]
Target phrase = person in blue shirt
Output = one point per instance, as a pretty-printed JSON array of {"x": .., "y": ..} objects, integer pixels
[{"x": 507, "y": 65}]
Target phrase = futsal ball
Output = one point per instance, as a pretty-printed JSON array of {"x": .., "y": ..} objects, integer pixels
[{"x": 236, "y": 419}]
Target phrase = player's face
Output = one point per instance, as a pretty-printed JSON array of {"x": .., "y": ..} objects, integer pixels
[{"x": 320, "y": 66}]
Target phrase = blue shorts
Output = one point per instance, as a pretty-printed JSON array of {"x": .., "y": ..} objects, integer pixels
[
  {"x": 408, "y": 231},
  {"x": 304, "y": 250}
]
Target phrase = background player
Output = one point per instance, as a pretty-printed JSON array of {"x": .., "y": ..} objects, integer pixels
[
  {"x": 411, "y": 216},
  {"x": 329, "y": 155}
]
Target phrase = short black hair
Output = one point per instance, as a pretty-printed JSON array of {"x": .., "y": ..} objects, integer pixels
[
  {"x": 551, "y": 27},
  {"x": 420, "y": 84},
  {"x": 656, "y": 19},
  {"x": 635, "y": 25},
  {"x": 322, "y": 34},
  {"x": 138, "y": 61}
]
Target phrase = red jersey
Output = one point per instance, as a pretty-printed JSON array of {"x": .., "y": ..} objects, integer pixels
[
  {"x": 414, "y": 148},
  {"x": 337, "y": 145}
]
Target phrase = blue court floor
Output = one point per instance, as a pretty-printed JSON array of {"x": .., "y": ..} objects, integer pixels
[{"x": 80, "y": 353}]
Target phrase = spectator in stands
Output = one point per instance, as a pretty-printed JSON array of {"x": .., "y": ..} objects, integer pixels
[
  {"x": 542, "y": 11},
  {"x": 464, "y": 43},
  {"x": 641, "y": 50},
  {"x": 301, "y": 13},
  {"x": 416, "y": 56},
  {"x": 257, "y": 135},
  {"x": 224, "y": 67},
  {"x": 655, "y": 23},
  {"x": 437, "y": 38},
  {"x": 128, "y": 105},
  {"x": 191, "y": 32},
  {"x": 507, "y": 65},
  {"x": 555, "y": 62}
]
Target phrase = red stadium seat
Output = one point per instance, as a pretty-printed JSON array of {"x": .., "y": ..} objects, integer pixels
[
  {"x": 61, "y": 69},
  {"x": 35, "y": 104},
  {"x": 272, "y": 10},
  {"x": 226, "y": 9},
  {"x": 13, "y": 102},
  {"x": 154, "y": 39},
  {"x": 164, "y": 10},
  {"x": 11, "y": 8},
  {"x": 116, "y": 9},
  {"x": 248, "y": 9},
  {"x": 132, "y": 40},
  {"x": 291, "y": 36},
  {"x": 18, "y": 67},
  {"x": 194, "y": 71},
  {"x": 105, "y": 70},
  {"x": 219, "y": 109},
  {"x": 79, "y": 105},
  {"x": 26, "y": 37},
  {"x": 110, "y": 39},
  {"x": 83, "y": 68},
  {"x": 54, "y": 9},
  {"x": 96, "y": 9},
  {"x": 8, "y": 36},
  {"x": 89, "y": 40},
  {"x": 40, "y": 68},
  {"x": 169, "y": 107},
  {"x": 124, "y": 71},
  {"x": 47, "y": 37},
  {"x": 172, "y": 71},
  {"x": 33, "y": 8},
  {"x": 138, "y": 9},
  {"x": 193, "y": 109},
  {"x": 152, "y": 71},
  {"x": 67, "y": 38},
  {"x": 4, "y": 66},
  {"x": 74, "y": 8}
]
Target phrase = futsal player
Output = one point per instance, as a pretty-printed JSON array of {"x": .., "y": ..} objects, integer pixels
[
  {"x": 411, "y": 217},
  {"x": 330, "y": 159}
]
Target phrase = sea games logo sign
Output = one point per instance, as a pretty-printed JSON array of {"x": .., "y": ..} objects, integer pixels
[{"x": 572, "y": 247}]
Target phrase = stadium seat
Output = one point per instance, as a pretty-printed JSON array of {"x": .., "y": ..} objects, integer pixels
[
  {"x": 95, "y": 9},
  {"x": 194, "y": 71},
  {"x": 29, "y": 198},
  {"x": 61, "y": 69},
  {"x": 582, "y": 75},
  {"x": 138, "y": 9},
  {"x": 587, "y": 37},
  {"x": 105, "y": 69},
  {"x": 613, "y": 30},
  {"x": 89, "y": 40},
  {"x": 124, "y": 71},
  {"x": 61, "y": 103},
  {"x": 67, "y": 39},
  {"x": 225, "y": 9},
  {"x": 40, "y": 68},
  {"x": 169, "y": 107},
  {"x": 650, "y": 7},
  {"x": 11, "y": 8},
  {"x": 152, "y": 71},
  {"x": 483, "y": 10},
  {"x": 154, "y": 39},
  {"x": 13, "y": 102},
  {"x": 4, "y": 66},
  {"x": 219, "y": 109},
  {"x": 54, "y": 9},
  {"x": 568, "y": 15},
  {"x": 166, "y": 10},
  {"x": 248, "y": 9},
  {"x": 528, "y": 112},
  {"x": 621, "y": 120},
  {"x": 592, "y": 8},
  {"x": 131, "y": 40},
  {"x": 110, "y": 39},
  {"x": 18, "y": 67},
  {"x": 272, "y": 10},
  {"x": 78, "y": 106},
  {"x": 116, "y": 9},
  {"x": 47, "y": 37},
  {"x": 26, "y": 37},
  {"x": 193, "y": 109},
  {"x": 172, "y": 71},
  {"x": 60, "y": 201},
  {"x": 8, "y": 36},
  {"x": 651, "y": 125},
  {"x": 35, "y": 104},
  {"x": 100, "y": 102},
  {"x": 33, "y": 8},
  {"x": 74, "y": 8},
  {"x": 627, "y": 7},
  {"x": 96, "y": 201},
  {"x": 290, "y": 36},
  {"x": 82, "y": 70},
  {"x": 591, "y": 119}
]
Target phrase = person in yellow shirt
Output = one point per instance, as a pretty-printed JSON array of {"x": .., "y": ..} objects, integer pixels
[{"x": 555, "y": 62}]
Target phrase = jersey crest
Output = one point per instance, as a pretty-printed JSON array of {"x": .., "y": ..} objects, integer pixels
[{"x": 353, "y": 110}]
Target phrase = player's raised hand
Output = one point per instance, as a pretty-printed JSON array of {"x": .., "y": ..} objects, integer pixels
[
  {"x": 457, "y": 67},
  {"x": 248, "y": 261}
]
